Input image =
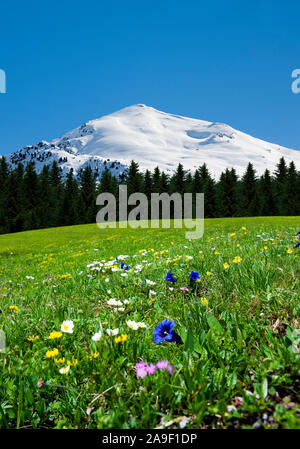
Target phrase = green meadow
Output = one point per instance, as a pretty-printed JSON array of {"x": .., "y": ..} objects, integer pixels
[{"x": 76, "y": 322}]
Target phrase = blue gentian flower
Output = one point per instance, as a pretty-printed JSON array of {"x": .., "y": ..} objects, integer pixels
[
  {"x": 298, "y": 244},
  {"x": 170, "y": 277},
  {"x": 164, "y": 332},
  {"x": 194, "y": 276},
  {"x": 124, "y": 266}
]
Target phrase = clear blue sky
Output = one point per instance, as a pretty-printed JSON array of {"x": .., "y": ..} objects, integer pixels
[{"x": 228, "y": 61}]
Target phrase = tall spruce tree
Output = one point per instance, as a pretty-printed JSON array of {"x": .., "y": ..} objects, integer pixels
[
  {"x": 164, "y": 183},
  {"x": 70, "y": 201},
  {"x": 249, "y": 197},
  {"x": 87, "y": 197},
  {"x": 178, "y": 181},
  {"x": 55, "y": 195},
  {"x": 4, "y": 173},
  {"x": 292, "y": 191},
  {"x": 31, "y": 197},
  {"x": 227, "y": 194},
  {"x": 266, "y": 195},
  {"x": 134, "y": 180},
  {"x": 281, "y": 197},
  {"x": 44, "y": 211},
  {"x": 156, "y": 180},
  {"x": 147, "y": 184},
  {"x": 210, "y": 203},
  {"x": 19, "y": 176}
]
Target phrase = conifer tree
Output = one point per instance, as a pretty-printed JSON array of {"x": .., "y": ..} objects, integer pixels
[
  {"x": 147, "y": 184},
  {"x": 70, "y": 201},
  {"x": 156, "y": 180},
  {"x": 178, "y": 180},
  {"x": 210, "y": 204},
  {"x": 164, "y": 185},
  {"x": 19, "y": 176},
  {"x": 266, "y": 195},
  {"x": 249, "y": 197},
  {"x": 44, "y": 210},
  {"x": 227, "y": 194},
  {"x": 31, "y": 197},
  {"x": 3, "y": 194},
  {"x": 292, "y": 191},
  {"x": 87, "y": 200},
  {"x": 134, "y": 180},
  {"x": 55, "y": 195},
  {"x": 281, "y": 187}
]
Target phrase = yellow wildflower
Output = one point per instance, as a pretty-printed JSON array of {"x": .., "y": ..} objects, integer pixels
[
  {"x": 33, "y": 337},
  {"x": 61, "y": 360},
  {"x": 15, "y": 308},
  {"x": 121, "y": 338},
  {"x": 93, "y": 355},
  {"x": 51, "y": 353},
  {"x": 54, "y": 335},
  {"x": 204, "y": 300}
]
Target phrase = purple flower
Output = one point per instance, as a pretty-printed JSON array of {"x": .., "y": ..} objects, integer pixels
[
  {"x": 185, "y": 289},
  {"x": 141, "y": 370},
  {"x": 151, "y": 368},
  {"x": 162, "y": 364},
  {"x": 170, "y": 277},
  {"x": 164, "y": 332}
]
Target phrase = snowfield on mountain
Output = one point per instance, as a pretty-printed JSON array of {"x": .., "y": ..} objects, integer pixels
[{"x": 154, "y": 138}]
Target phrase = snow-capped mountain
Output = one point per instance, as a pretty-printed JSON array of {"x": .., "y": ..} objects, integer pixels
[{"x": 154, "y": 138}]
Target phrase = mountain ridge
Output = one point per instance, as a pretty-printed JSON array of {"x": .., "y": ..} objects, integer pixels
[{"x": 153, "y": 138}]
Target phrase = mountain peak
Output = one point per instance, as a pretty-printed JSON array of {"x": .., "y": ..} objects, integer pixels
[{"x": 154, "y": 138}]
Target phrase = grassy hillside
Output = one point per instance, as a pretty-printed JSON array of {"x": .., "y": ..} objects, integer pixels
[{"x": 238, "y": 363}]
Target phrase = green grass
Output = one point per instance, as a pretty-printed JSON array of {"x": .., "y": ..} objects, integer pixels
[{"x": 238, "y": 365}]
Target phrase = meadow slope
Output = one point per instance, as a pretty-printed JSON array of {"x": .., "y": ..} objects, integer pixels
[{"x": 236, "y": 363}]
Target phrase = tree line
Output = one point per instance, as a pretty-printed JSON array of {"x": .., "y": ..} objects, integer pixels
[{"x": 32, "y": 201}]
